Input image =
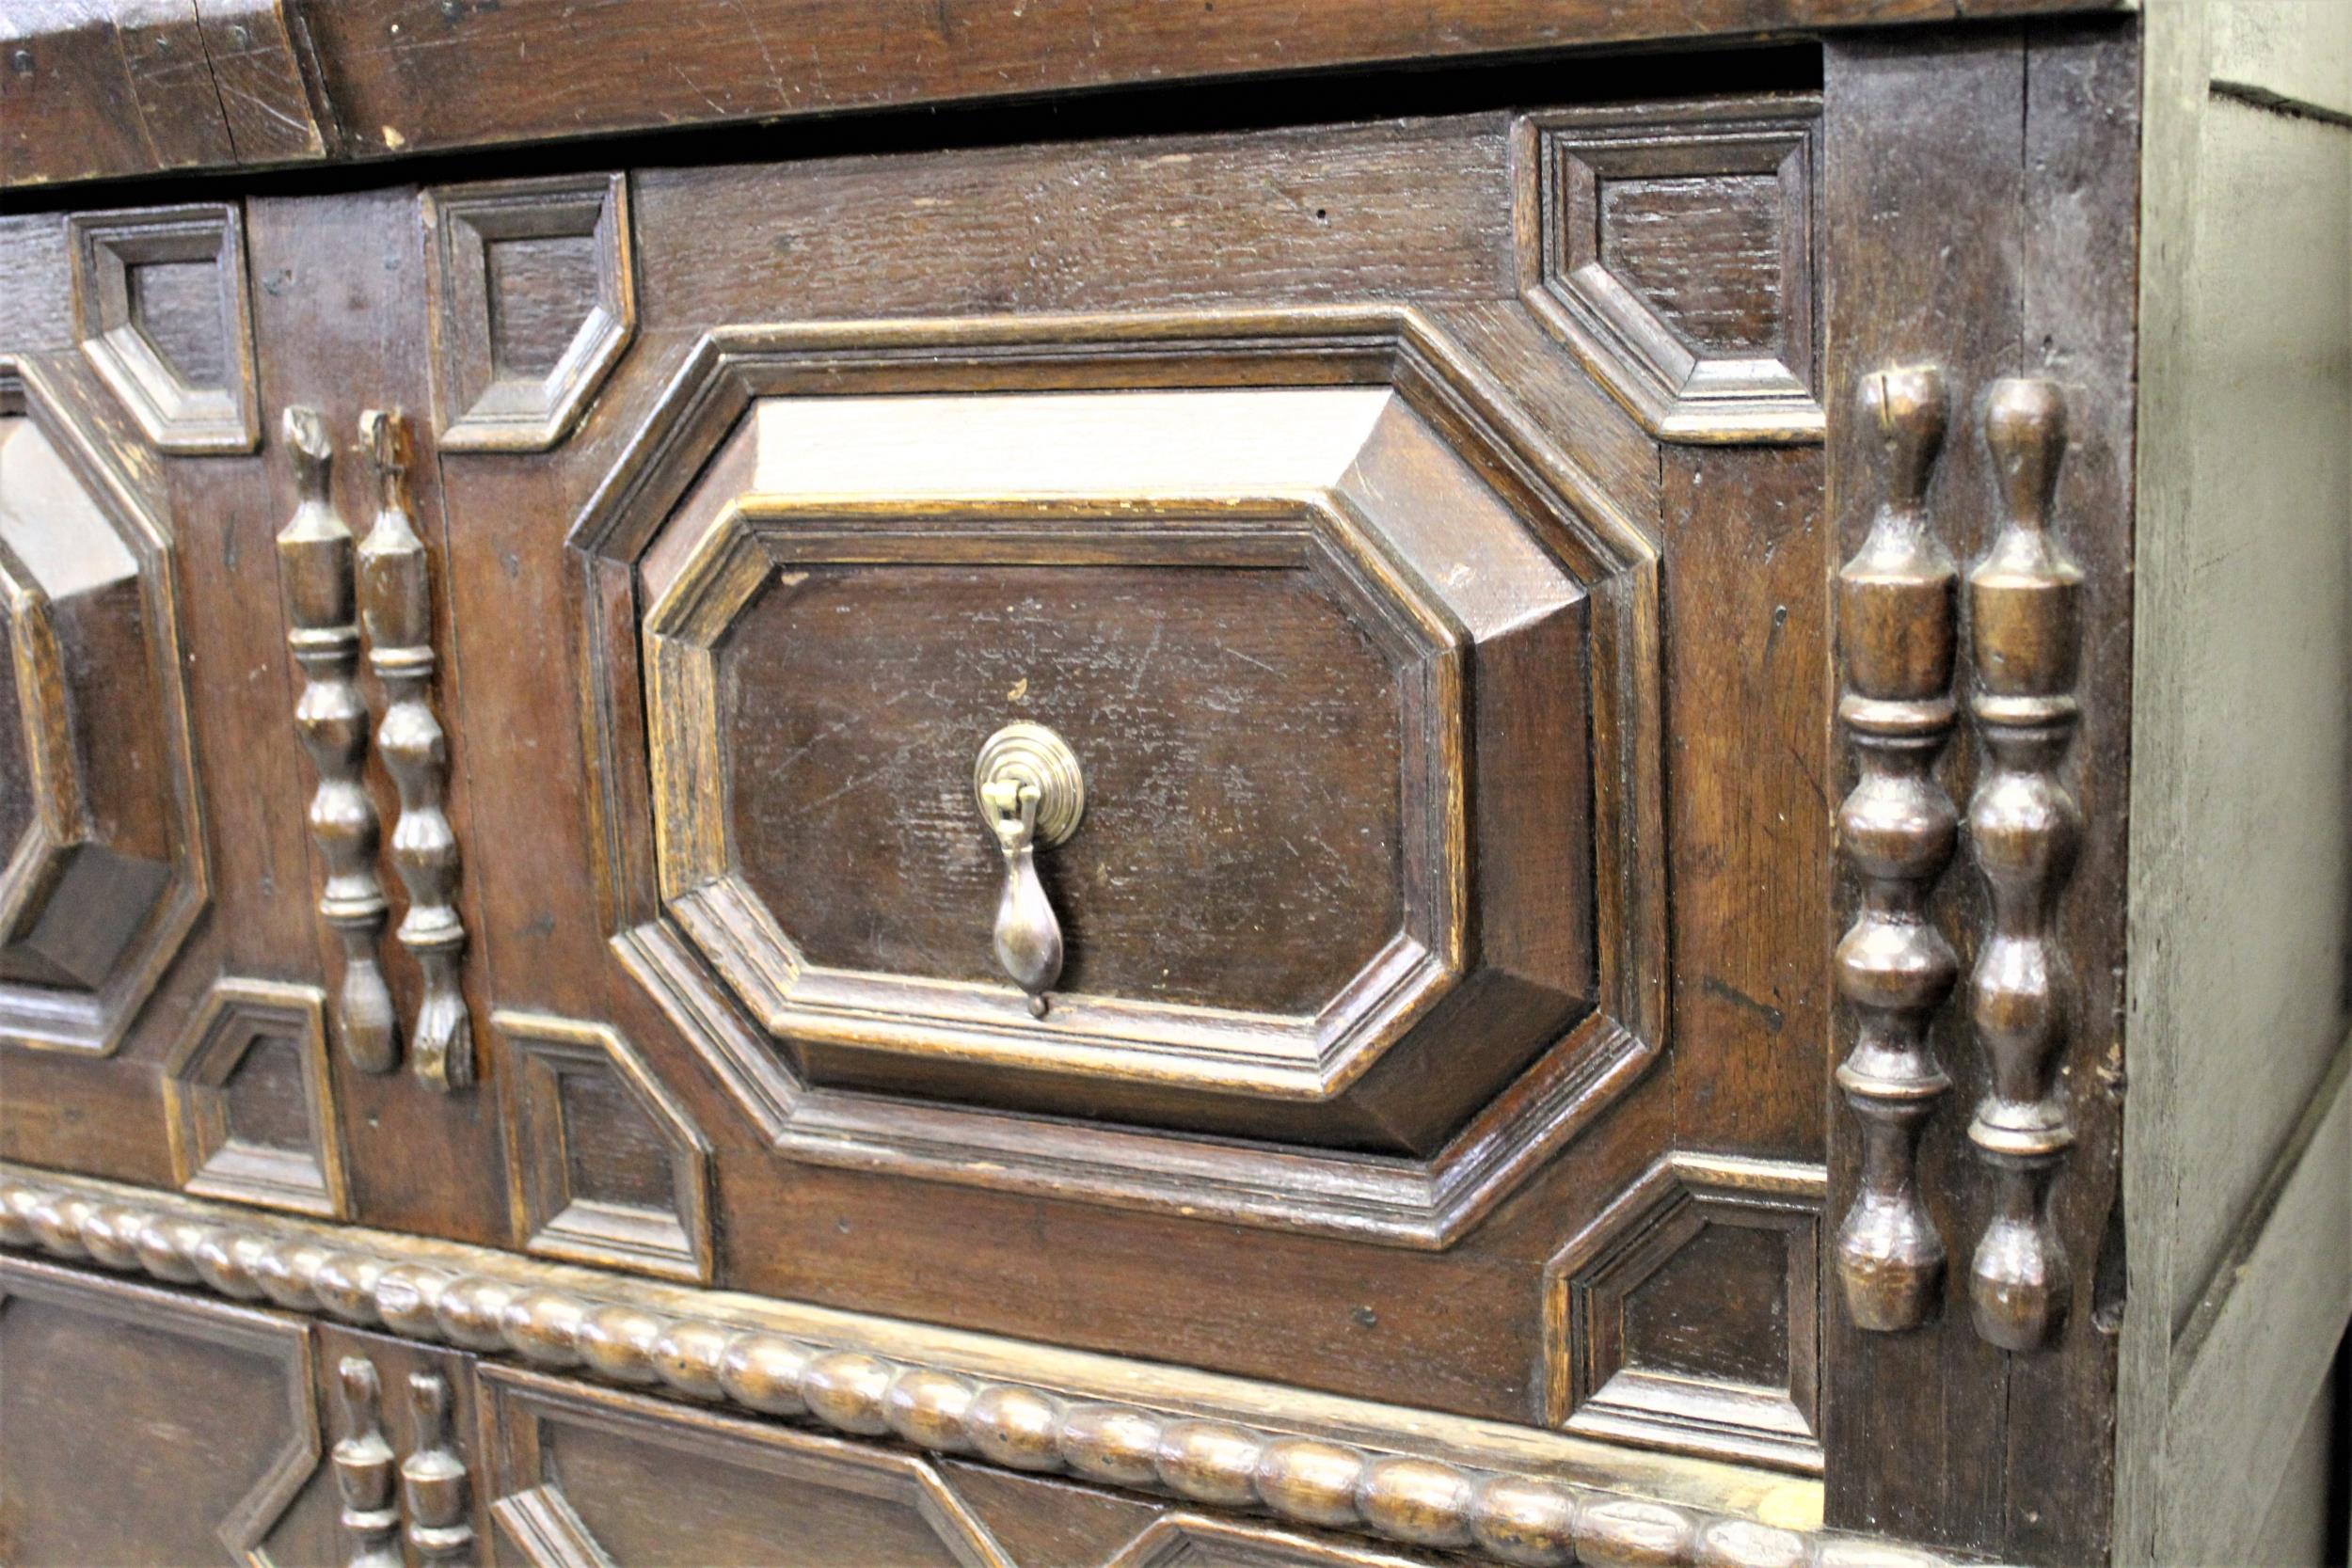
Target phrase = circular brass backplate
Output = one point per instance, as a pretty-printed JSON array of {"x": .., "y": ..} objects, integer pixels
[{"x": 1034, "y": 754}]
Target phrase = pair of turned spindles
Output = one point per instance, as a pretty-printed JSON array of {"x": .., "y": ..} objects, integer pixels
[
  {"x": 332, "y": 591},
  {"x": 1899, "y": 610},
  {"x": 433, "y": 1489}
]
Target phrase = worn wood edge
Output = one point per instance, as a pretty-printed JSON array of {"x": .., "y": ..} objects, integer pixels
[
  {"x": 1413, "y": 1477},
  {"x": 1577, "y": 1399},
  {"x": 2270, "y": 53},
  {"x": 603, "y": 335},
  {"x": 126, "y": 480},
  {"x": 2173, "y": 90},
  {"x": 131, "y": 375},
  {"x": 327, "y": 1151},
  {"x": 2189, "y": 64},
  {"x": 527, "y": 1034},
  {"x": 2263, "y": 1330},
  {"x": 995, "y": 55}
]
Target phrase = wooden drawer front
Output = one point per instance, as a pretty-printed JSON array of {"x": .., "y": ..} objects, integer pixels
[
  {"x": 1327, "y": 687},
  {"x": 211, "y": 1403},
  {"x": 1411, "y": 529},
  {"x": 582, "y": 1475}
]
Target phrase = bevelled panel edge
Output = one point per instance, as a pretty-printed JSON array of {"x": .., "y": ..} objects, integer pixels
[{"x": 1630, "y": 248}]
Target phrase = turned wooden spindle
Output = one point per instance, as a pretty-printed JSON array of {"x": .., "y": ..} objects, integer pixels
[
  {"x": 363, "y": 1469},
  {"x": 2024, "y": 601},
  {"x": 314, "y": 557},
  {"x": 396, "y": 604},
  {"x": 1897, "y": 623},
  {"x": 433, "y": 1479}
]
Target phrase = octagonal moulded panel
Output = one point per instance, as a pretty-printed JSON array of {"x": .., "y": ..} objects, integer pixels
[
  {"x": 102, "y": 871},
  {"x": 1321, "y": 637}
]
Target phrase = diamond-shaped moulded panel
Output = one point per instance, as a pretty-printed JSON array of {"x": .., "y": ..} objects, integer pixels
[
  {"x": 1352, "y": 667},
  {"x": 103, "y": 869}
]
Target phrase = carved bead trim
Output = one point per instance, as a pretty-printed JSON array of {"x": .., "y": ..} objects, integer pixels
[
  {"x": 315, "y": 566},
  {"x": 363, "y": 1467},
  {"x": 1529, "y": 1519},
  {"x": 2024, "y": 602},
  {"x": 396, "y": 604},
  {"x": 1896, "y": 629},
  {"x": 432, "y": 1482}
]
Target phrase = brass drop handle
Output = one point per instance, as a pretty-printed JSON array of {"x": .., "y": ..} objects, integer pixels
[{"x": 1031, "y": 796}]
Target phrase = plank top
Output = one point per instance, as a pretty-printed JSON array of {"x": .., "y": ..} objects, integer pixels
[{"x": 94, "y": 89}]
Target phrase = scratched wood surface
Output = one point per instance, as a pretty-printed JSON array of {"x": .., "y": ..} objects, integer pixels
[
  {"x": 1438, "y": 1244},
  {"x": 109, "y": 89}
]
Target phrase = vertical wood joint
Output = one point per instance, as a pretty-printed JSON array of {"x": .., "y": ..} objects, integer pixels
[{"x": 1897, "y": 629}]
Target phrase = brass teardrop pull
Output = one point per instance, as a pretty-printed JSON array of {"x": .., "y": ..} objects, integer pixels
[{"x": 1031, "y": 796}]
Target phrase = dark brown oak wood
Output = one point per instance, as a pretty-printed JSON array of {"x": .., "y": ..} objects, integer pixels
[
  {"x": 265, "y": 82},
  {"x": 340, "y": 307},
  {"x": 1430, "y": 504}
]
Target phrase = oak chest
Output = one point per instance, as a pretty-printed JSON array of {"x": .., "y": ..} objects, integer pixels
[{"x": 1115, "y": 784}]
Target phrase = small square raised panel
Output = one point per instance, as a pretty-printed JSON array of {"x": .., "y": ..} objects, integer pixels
[
  {"x": 1685, "y": 1317},
  {"x": 532, "y": 305},
  {"x": 159, "y": 311},
  {"x": 606, "y": 1166},
  {"x": 252, "y": 1107},
  {"x": 1671, "y": 250}
]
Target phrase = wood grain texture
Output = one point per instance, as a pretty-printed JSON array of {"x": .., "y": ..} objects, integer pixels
[
  {"x": 2023, "y": 827},
  {"x": 396, "y": 600},
  {"x": 362, "y": 1458},
  {"x": 606, "y": 1166},
  {"x": 1673, "y": 250},
  {"x": 2261, "y": 1334},
  {"x": 101, "y": 889},
  {"x": 1975, "y": 190},
  {"x": 532, "y": 298},
  {"x": 2070, "y": 92},
  {"x": 383, "y": 77},
  {"x": 340, "y": 301},
  {"x": 160, "y": 307},
  {"x": 318, "y": 575},
  {"x": 1897, "y": 630},
  {"x": 221, "y": 1392},
  {"x": 251, "y": 1106},
  {"x": 1901, "y": 190}
]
